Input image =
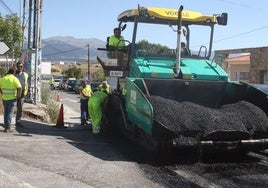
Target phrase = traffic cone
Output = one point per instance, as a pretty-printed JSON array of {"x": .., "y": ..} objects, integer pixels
[
  {"x": 60, "y": 121},
  {"x": 58, "y": 96}
]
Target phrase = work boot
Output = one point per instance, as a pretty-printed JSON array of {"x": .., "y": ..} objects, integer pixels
[
  {"x": 88, "y": 122},
  {"x": 95, "y": 129},
  {"x": 8, "y": 130},
  {"x": 83, "y": 122}
]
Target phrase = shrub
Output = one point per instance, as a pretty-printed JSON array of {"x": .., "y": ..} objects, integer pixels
[
  {"x": 49, "y": 101},
  {"x": 53, "y": 110},
  {"x": 45, "y": 93}
]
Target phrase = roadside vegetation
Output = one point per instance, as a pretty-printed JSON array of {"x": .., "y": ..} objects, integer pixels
[
  {"x": 78, "y": 71},
  {"x": 52, "y": 105},
  {"x": 11, "y": 34}
]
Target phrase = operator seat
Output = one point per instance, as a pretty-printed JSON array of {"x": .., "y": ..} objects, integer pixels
[{"x": 185, "y": 52}]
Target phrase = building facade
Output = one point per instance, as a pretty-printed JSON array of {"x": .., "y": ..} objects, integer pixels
[
  {"x": 258, "y": 64},
  {"x": 238, "y": 68}
]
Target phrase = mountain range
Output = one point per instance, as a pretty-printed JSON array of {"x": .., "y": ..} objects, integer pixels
[{"x": 70, "y": 49}]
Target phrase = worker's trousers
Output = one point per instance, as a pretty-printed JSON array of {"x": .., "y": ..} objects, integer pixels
[
  {"x": 20, "y": 103},
  {"x": 84, "y": 110},
  {"x": 95, "y": 112},
  {"x": 9, "y": 106}
]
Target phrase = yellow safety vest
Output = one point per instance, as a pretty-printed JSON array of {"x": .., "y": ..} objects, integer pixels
[
  {"x": 87, "y": 90},
  {"x": 25, "y": 83},
  {"x": 9, "y": 85},
  {"x": 99, "y": 97},
  {"x": 25, "y": 75},
  {"x": 113, "y": 41},
  {"x": 51, "y": 81},
  {"x": 107, "y": 89}
]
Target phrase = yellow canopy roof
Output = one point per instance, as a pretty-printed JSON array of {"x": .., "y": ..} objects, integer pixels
[{"x": 165, "y": 15}]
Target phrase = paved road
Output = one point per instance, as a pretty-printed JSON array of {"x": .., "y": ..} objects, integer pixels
[{"x": 41, "y": 155}]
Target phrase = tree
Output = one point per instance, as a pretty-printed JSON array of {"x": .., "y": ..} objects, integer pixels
[
  {"x": 98, "y": 75},
  {"x": 151, "y": 48},
  {"x": 74, "y": 72},
  {"x": 11, "y": 34}
]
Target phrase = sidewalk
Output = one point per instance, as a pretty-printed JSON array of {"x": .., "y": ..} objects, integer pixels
[
  {"x": 38, "y": 114},
  {"x": 41, "y": 155}
]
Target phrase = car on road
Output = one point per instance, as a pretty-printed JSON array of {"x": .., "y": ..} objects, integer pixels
[
  {"x": 56, "y": 83},
  {"x": 62, "y": 83},
  {"x": 70, "y": 84},
  {"x": 95, "y": 85}
]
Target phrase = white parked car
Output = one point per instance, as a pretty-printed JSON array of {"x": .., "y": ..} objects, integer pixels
[{"x": 56, "y": 83}]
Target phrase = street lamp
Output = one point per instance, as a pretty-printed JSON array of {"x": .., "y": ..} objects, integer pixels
[{"x": 88, "y": 63}]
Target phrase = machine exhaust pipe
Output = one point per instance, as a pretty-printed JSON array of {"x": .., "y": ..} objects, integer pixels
[{"x": 178, "y": 52}]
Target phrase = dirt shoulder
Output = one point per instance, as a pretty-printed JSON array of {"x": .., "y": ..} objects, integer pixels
[
  {"x": 37, "y": 112},
  {"x": 31, "y": 111}
]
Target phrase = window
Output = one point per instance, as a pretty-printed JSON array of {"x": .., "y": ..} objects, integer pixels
[
  {"x": 241, "y": 75},
  {"x": 265, "y": 78},
  {"x": 244, "y": 75}
]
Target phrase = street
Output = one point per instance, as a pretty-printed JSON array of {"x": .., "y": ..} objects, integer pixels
[{"x": 41, "y": 155}]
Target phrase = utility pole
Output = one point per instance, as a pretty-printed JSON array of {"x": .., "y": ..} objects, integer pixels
[
  {"x": 23, "y": 15},
  {"x": 88, "y": 63},
  {"x": 32, "y": 55},
  {"x": 37, "y": 46}
]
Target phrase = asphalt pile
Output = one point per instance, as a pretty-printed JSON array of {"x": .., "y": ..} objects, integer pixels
[{"x": 190, "y": 119}]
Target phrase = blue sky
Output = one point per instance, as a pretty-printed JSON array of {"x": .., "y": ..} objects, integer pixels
[{"x": 247, "y": 22}]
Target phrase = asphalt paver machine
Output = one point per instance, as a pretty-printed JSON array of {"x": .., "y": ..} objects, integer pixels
[{"x": 179, "y": 98}]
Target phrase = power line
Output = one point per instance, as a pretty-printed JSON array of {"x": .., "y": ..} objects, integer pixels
[
  {"x": 240, "y": 34},
  {"x": 6, "y": 7},
  {"x": 48, "y": 44},
  {"x": 244, "y": 5},
  {"x": 233, "y": 36},
  {"x": 62, "y": 52}
]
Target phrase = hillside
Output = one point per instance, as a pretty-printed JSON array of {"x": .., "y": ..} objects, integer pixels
[
  {"x": 70, "y": 49},
  {"x": 58, "y": 68}
]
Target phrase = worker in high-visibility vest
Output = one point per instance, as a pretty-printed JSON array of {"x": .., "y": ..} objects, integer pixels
[
  {"x": 23, "y": 78},
  {"x": 104, "y": 87},
  {"x": 85, "y": 93},
  {"x": 51, "y": 82},
  {"x": 95, "y": 104},
  {"x": 10, "y": 89},
  {"x": 116, "y": 40}
]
